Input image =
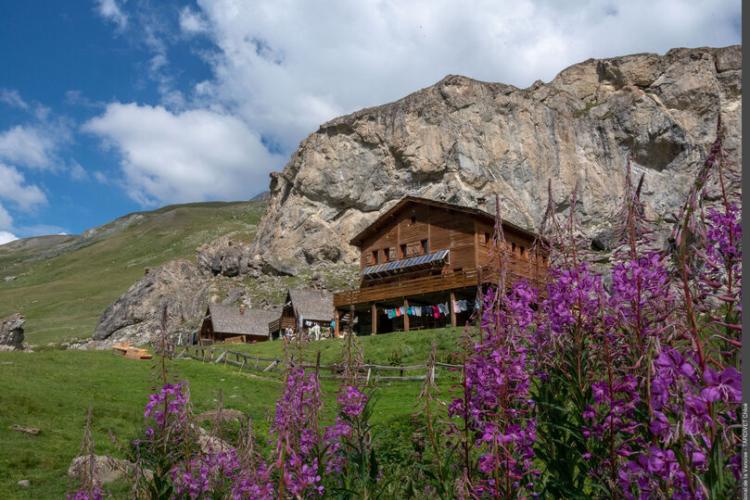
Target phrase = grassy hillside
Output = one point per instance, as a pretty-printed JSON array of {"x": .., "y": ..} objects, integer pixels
[
  {"x": 63, "y": 284},
  {"x": 52, "y": 389},
  {"x": 389, "y": 348}
]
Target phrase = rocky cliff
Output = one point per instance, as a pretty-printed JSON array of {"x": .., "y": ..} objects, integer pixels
[{"x": 463, "y": 140}]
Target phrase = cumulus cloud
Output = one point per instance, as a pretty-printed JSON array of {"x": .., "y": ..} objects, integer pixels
[
  {"x": 193, "y": 155},
  {"x": 111, "y": 11},
  {"x": 14, "y": 189},
  {"x": 279, "y": 70},
  {"x": 12, "y": 98},
  {"x": 192, "y": 22},
  {"x": 77, "y": 172},
  {"x": 29, "y": 146},
  {"x": 7, "y": 237},
  {"x": 6, "y": 221},
  {"x": 285, "y": 70}
]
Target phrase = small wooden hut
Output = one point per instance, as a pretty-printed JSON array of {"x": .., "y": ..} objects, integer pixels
[
  {"x": 224, "y": 323},
  {"x": 302, "y": 309}
]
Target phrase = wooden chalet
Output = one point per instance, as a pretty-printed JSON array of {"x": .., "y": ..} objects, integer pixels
[
  {"x": 422, "y": 261},
  {"x": 224, "y": 323},
  {"x": 301, "y": 310}
]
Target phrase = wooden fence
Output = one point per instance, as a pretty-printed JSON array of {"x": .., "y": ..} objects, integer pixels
[{"x": 371, "y": 372}]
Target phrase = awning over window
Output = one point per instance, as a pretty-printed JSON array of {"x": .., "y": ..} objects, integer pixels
[{"x": 404, "y": 265}]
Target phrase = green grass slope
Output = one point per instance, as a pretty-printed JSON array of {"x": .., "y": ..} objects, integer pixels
[
  {"x": 52, "y": 389},
  {"x": 63, "y": 284},
  {"x": 383, "y": 349}
]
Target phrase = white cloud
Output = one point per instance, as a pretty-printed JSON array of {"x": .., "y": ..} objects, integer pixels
[
  {"x": 111, "y": 11},
  {"x": 187, "y": 156},
  {"x": 191, "y": 22},
  {"x": 6, "y": 237},
  {"x": 77, "y": 172},
  {"x": 14, "y": 189},
  {"x": 285, "y": 67},
  {"x": 28, "y": 145},
  {"x": 13, "y": 99},
  {"x": 6, "y": 221},
  {"x": 282, "y": 68}
]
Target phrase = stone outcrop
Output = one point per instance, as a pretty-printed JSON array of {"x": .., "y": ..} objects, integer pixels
[
  {"x": 105, "y": 469},
  {"x": 136, "y": 316},
  {"x": 11, "y": 332},
  {"x": 463, "y": 140},
  {"x": 225, "y": 256}
]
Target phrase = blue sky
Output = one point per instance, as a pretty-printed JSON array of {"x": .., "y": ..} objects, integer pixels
[{"x": 113, "y": 106}]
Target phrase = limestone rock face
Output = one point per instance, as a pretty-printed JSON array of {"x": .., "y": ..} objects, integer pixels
[
  {"x": 136, "y": 316},
  {"x": 463, "y": 140},
  {"x": 11, "y": 332},
  {"x": 225, "y": 256}
]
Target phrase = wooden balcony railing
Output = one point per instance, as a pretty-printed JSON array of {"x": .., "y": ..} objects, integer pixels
[{"x": 443, "y": 282}]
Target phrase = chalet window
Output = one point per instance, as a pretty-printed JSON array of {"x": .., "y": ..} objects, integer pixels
[
  {"x": 523, "y": 251},
  {"x": 513, "y": 247},
  {"x": 392, "y": 253},
  {"x": 487, "y": 238},
  {"x": 425, "y": 247},
  {"x": 404, "y": 252},
  {"x": 413, "y": 219},
  {"x": 374, "y": 257}
]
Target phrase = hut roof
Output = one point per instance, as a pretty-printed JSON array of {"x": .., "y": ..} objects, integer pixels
[
  {"x": 229, "y": 319},
  {"x": 383, "y": 219},
  {"x": 312, "y": 304}
]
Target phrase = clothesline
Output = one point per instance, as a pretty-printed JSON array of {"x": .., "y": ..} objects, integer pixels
[{"x": 434, "y": 310}]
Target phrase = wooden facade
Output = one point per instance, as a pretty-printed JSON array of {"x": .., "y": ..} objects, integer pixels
[{"x": 423, "y": 251}]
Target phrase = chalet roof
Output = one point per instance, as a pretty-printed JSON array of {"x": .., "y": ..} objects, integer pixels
[
  {"x": 228, "y": 319},
  {"x": 311, "y": 304},
  {"x": 408, "y": 200},
  {"x": 409, "y": 264}
]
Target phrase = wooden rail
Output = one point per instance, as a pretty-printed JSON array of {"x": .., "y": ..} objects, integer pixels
[
  {"x": 429, "y": 284},
  {"x": 265, "y": 365}
]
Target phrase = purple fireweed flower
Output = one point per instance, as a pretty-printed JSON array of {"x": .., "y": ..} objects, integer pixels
[
  {"x": 352, "y": 401},
  {"x": 297, "y": 436},
  {"x": 221, "y": 474},
  {"x": 497, "y": 377},
  {"x": 95, "y": 493},
  {"x": 725, "y": 386}
]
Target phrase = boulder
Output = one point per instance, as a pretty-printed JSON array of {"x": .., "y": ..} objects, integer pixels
[
  {"x": 210, "y": 443},
  {"x": 106, "y": 469},
  {"x": 225, "y": 256},
  {"x": 11, "y": 331},
  {"x": 135, "y": 317}
]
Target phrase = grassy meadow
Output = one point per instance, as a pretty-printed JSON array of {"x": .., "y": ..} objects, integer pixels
[{"x": 52, "y": 389}]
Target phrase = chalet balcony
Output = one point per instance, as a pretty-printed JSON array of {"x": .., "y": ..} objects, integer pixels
[{"x": 415, "y": 286}]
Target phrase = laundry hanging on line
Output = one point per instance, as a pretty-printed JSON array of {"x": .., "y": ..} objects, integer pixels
[{"x": 434, "y": 310}]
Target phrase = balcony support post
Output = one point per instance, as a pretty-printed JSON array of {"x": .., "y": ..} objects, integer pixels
[
  {"x": 406, "y": 314},
  {"x": 374, "y": 313}
]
